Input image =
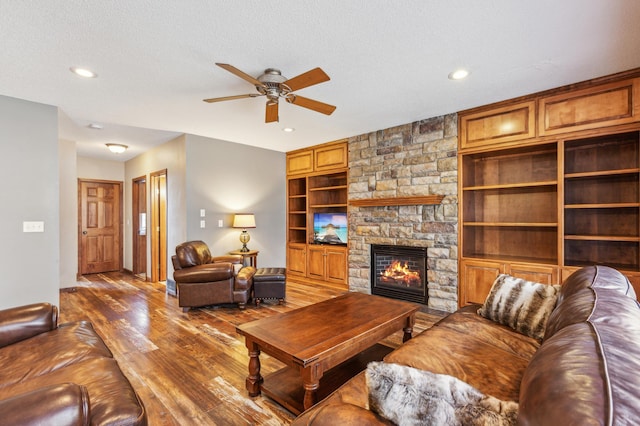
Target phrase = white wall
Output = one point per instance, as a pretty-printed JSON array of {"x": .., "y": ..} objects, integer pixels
[
  {"x": 29, "y": 169},
  {"x": 92, "y": 168}
]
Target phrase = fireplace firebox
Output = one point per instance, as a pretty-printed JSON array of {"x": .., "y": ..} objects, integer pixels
[{"x": 399, "y": 272}]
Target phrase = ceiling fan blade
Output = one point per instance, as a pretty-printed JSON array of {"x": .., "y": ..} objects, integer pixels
[
  {"x": 230, "y": 98},
  {"x": 272, "y": 112},
  {"x": 307, "y": 79},
  {"x": 311, "y": 104},
  {"x": 241, "y": 74}
]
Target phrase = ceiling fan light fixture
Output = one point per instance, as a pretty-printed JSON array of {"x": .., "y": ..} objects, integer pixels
[
  {"x": 458, "y": 74},
  {"x": 117, "y": 148}
]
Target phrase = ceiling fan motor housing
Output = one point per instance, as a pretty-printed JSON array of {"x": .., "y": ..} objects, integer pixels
[{"x": 273, "y": 79}]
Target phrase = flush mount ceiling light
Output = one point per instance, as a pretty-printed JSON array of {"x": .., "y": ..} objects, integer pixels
[
  {"x": 83, "y": 72},
  {"x": 458, "y": 74},
  {"x": 117, "y": 148},
  {"x": 288, "y": 129},
  {"x": 95, "y": 126}
]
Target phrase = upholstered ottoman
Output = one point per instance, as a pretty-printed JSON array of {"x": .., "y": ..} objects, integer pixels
[{"x": 269, "y": 283}]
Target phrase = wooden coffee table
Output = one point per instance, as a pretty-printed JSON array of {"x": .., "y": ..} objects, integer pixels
[{"x": 314, "y": 339}]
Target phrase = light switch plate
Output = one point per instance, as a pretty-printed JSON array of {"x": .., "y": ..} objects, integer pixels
[
  {"x": 220, "y": 224},
  {"x": 202, "y": 212},
  {"x": 33, "y": 226},
  {"x": 202, "y": 224}
]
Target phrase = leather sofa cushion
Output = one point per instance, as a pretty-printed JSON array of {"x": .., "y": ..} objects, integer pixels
[
  {"x": 68, "y": 344},
  {"x": 490, "y": 357},
  {"x": 586, "y": 371},
  {"x": 210, "y": 272},
  {"x": 111, "y": 396},
  {"x": 193, "y": 253}
]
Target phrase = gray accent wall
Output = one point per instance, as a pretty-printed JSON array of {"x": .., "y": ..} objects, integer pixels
[
  {"x": 30, "y": 176},
  {"x": 224, "y": 178}
]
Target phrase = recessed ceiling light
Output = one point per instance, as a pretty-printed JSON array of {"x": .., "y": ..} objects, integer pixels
[
  {"x": 83, "y": 72},
  {"x": 458, "y": 74},
  {"x": 117, "y": 148},
  {"x": 95, "y": 126},
  {"x": 288, "y": 129}
]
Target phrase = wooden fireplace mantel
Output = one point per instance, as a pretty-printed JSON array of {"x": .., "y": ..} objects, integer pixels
[{"x": 397, "y": 201}]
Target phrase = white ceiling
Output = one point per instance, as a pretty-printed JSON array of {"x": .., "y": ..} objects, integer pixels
[{"x": 388, "y": 61}]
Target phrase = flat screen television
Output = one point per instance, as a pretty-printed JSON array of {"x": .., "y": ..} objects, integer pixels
[{"x": 330, "y": 228}]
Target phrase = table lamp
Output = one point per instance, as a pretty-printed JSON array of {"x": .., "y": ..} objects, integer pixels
[{"x": 244, "y": 221}]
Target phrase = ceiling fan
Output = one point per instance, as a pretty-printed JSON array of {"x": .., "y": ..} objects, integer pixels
[{"x": 274, "y": 86}]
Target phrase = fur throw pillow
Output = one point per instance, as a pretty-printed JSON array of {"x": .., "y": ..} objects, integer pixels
[
  {"x": 408, "y": 396},
  {"x": 523, "y": 305}
]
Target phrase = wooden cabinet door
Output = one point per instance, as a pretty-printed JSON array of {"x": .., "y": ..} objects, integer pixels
[
  {"x": 537, "y": 273},
  {"x": 297, "y": 259},
  {"x": 603, "y": 105},
  {"x": 332, "y": 156},
  {"x": 316, "y": 262},
  {"x": 476, "y": 279},
  {"x": 336, "y": 264},
  {"x": 300, "y": 162},
  {"x": 499, "y": 125}
]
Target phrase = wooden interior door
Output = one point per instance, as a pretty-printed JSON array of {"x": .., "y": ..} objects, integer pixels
[
  {"x": 159, "y": 226},
  {"x": 100, "y": 226},
  {"x": 140, "y": 223}
]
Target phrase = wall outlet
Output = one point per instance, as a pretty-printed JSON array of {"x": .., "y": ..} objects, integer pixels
[
  {"x": 202, "y": 224},
  {"x": 220, "y": 223}
]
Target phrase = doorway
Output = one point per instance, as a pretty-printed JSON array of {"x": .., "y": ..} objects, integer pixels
[
  {"x": 139, "y": 219},
  {"x": 158, "y": 186},
  {"x": 99, "y": 226}
]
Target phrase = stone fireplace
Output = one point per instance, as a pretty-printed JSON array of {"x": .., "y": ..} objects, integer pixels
[
  {"x": 404, "y": 163},
  {"x": 399, "y": 272}
]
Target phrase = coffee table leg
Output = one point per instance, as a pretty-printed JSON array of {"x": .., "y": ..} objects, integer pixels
[
  {"x": 254, "y": 379},
  {"x": 408, "y": 329},
  {"x": 311, "y": 381}
]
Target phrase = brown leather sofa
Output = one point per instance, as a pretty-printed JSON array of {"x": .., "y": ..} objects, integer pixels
[
  {"x": 63, "y": 374},
  {"x": 203, "y": 280},
  {"x": 584, "y": 371}
]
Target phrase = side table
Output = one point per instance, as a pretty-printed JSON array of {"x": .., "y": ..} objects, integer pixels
[{"x": 251, "y": 254}]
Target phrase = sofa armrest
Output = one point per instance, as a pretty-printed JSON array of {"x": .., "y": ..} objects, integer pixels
[
  {"x": 61, "y": 404},
  {"x": 339, "y": 414},
  {"x": 244, "y": 279},
  {"x": 23, "y": 322}
]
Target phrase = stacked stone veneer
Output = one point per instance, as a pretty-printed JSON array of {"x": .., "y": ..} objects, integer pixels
[{"x": 409, "y": 160}]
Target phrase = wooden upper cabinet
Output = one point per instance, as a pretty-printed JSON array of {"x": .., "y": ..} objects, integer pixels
[
  {"x": 594, "y": 107},
  {"x": 300, "y": 162},
  {"x": 498, "y": 125},
  {"x": 319, "y": 158},
  {"x": 331, "y": 156}
]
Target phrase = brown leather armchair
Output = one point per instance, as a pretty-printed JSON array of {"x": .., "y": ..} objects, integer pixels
[{"x": 204, "y": 280}]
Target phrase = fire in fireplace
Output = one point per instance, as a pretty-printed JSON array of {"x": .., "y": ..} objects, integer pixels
[{"x": 399, "y": 272}]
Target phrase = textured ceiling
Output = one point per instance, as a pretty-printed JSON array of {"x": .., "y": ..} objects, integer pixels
[{"x": 388, "y": 61}]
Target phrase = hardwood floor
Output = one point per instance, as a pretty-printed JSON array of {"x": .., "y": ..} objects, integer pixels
[{"x": 189, "y": 368}]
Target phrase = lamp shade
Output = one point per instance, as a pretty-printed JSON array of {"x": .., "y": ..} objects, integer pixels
[{"x": 244, "y": 220}]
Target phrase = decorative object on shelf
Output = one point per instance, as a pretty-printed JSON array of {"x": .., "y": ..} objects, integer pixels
[
  {"x": 244, "y": 221},
  {"x": 117, "y": 148}
]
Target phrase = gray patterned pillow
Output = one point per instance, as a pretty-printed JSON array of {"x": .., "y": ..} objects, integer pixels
[
  {"x": 523, "y": 305},
  {"x": 408, "y": 396}
]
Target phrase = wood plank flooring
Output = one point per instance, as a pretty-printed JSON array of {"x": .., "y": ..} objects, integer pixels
[{"x": 189, "y": 368}]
